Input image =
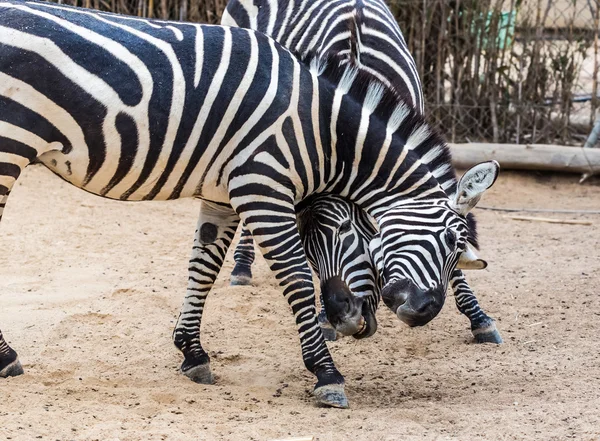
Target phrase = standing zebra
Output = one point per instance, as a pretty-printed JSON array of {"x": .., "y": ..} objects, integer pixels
[
  {"x": 363, "y": 33},
  {"x": 134, "y": 109}
]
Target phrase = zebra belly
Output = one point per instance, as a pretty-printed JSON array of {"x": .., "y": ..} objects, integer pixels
[{"x": 72, "y": 168}]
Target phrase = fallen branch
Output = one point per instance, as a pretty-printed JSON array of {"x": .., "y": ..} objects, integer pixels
[
  {"x": 551, "y": 221},
  {"x": 537, "y": 210},
  {"x": 528, "y": 157}
]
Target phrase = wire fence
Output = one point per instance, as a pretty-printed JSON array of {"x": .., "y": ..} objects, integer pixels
[{"x": 505, "y": 71}]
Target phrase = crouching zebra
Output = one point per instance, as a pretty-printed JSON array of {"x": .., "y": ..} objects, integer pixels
[
  {"x": 135, "y": 109},
  {"x": 364, "y": 34}
]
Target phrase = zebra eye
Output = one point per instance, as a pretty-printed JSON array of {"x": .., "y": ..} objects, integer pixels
[
  {"x": 450, "y": 238},
  {"x": 344, "y": 227}
]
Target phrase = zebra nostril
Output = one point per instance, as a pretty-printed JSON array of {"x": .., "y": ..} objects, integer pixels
[
  {"x": 395, "y": 293},
  {"x": 347, "y": 305}
]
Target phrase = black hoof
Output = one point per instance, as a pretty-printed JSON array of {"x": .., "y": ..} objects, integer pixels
[
  {"x": 240, "y": 280},
  {"x": 198, "y": 374},
  {"x": 241, "y": 275},
  {"x": 487, "y": 334},
  {"x": 12, "y": 369},
  {"x": 331, "y": 395}
]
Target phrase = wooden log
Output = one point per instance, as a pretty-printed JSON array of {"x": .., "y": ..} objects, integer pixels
[{"x": 528, "y": 157}]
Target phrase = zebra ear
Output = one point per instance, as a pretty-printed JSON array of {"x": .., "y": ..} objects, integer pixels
[
  {"x": 473, "y": 184},
  {"x": 375, "y": 251},
  {"x": 468, "y": 260}
]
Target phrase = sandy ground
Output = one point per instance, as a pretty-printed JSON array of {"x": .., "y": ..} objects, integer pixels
[{"x": 91, "y": 289}]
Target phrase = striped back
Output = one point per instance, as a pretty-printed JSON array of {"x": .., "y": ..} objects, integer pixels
[{"x": 363, "y": 32}]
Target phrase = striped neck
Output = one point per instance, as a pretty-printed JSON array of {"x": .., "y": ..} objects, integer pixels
[{"x": 382, "y": 153}]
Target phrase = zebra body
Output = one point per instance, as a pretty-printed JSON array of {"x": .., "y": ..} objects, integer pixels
[
  {"x": 136, "y": 109},
  {"x": 365, "y": 34}
]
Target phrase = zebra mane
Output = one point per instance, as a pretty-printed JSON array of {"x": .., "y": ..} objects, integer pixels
[{"x": 402, "y": 118}]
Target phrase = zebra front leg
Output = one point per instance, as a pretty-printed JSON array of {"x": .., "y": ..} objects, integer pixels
[
  {"x": 277, "y": 237},
  {"x": 244, "y": 258},
  {"x": 9, "y": 361},
  {"x": 214, "y": 233},
  {"x": 483, "y": 327},
  {"x": 15, "y": 155}
]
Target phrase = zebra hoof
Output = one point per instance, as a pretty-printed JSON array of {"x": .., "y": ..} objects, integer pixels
[
  {"x": 487, "y": 334},
  {"x": 331, "y": 395},
  {"x": 12, "y": 369},
  {"x": 199, "y": 374},
  {"x": 241, "y": 275},
  {"x": 240, "y": 280}
]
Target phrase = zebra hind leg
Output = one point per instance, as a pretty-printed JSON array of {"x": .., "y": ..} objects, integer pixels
[
  {"x": 244, "y": 258},
  {"x": 483, "y": 326},
  {"x": 214, "y": 233},
  {"x": 279, "y": 241}
]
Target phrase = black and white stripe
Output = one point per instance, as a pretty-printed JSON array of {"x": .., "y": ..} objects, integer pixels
[
  {"x": 361, "y": 32},
  {"x": 365, "y": 34},
  {"x": 136, "y": 109}
]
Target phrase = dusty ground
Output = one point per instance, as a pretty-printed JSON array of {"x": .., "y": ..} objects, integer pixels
[{"x": 91, "y": 289}]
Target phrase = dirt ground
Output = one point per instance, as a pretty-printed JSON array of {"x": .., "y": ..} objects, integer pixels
[{"x": 91, "y": 288}]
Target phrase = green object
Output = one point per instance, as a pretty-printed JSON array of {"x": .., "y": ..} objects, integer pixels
[
  {"x": 506, "y": 28},
  {"x": 505, "y": 31}
]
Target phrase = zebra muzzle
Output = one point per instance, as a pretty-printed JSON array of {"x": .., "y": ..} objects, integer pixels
[
  {"x": 343, "y": 309},
  {"x": 411, "y": 304}
]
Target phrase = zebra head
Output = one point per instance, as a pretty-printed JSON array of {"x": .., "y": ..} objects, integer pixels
[
  {"x": 336, "y": 236},
  {"x": 422, "y": 242}
]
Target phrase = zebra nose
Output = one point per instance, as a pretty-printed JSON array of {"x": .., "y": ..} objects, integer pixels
[
  {"x": 343, "y": 309},
  {"x": 421, "y": 306}
]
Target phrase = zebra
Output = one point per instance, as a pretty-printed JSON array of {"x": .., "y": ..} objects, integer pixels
[
  {"x": 336, "y": 234},
  {"x": 133, "y": 109},
  {"x": 365, "y": 34}
]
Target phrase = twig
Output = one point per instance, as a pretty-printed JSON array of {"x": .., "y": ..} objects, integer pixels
[
  {"x": 538, "y": 210},
  {"x": 551, "y": 221}
]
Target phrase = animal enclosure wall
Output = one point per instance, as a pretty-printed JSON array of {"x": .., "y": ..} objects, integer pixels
[{"x": 506, "y": 71}]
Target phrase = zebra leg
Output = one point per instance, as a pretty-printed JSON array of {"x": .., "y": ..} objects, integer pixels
[
  {"x": 483, "y": 327},
  {"x": 244, "y": 257},
  {"x": 279, "y": 241},
  {"x": 214, "y": 233},
  {"x": 13, "y": 159}
]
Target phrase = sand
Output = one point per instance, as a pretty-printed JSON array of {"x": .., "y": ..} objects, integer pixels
[{"x": 91, "y": 288}]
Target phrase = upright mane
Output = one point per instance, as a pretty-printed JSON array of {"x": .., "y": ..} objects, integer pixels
[{"x": 406, "y": 122}]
